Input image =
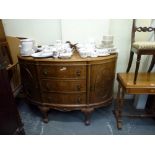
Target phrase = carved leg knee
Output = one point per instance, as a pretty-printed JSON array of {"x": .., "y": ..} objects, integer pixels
[
  {"x": 44, "y": 111},
  {"x": 87, "y": 112}
]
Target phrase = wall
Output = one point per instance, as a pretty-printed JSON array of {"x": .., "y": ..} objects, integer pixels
[
  {"x": 82, "y": 31},
  {"x": 47, "y": 31},
  {"x": 42, "y": 30}
]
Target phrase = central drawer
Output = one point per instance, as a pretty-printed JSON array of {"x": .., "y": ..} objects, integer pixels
[
  {"x": 62, "y": 98},
  {"x": 62, "y": 71},
  {"x": 49, "y": 85}
]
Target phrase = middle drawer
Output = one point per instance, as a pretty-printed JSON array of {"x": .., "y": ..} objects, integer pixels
[{"x": 49, "y": 85}]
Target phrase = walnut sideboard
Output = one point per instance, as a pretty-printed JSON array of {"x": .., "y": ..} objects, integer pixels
[{"x": 68, "y": 84}]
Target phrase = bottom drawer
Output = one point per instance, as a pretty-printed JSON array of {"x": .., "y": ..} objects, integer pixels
[{"x": 56, "y": 98}]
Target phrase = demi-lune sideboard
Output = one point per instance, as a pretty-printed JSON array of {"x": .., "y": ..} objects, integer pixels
[{"x": 68, "y": 84}]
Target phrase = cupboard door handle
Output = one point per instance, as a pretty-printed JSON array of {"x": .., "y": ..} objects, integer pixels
[
  {"x": 79, "y": 100},
  {"x": 78, "y": 87},
  {"x": 47, "y": 86},
  {"x": 78, "y": 73},
  {"x": 49, "y": 99},
  {"x": 91, "y": 88},
  {"x": 36, "y": 86},
  {"x": 45, "y": 72}
]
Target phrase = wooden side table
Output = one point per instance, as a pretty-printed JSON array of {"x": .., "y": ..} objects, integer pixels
[{"x": 145, "y": 85}]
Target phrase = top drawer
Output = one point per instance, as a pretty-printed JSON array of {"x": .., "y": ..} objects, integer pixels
[{"x": 62, "y": 71}]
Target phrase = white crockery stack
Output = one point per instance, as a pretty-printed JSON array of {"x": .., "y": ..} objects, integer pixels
[{"x": 107, "y": 41}]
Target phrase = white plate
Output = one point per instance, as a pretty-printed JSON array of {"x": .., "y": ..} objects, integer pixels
[
  {"x": 42, "y": 54},
  {"x": 104, "y": 54},
  {"x": 24, "y": 55}
]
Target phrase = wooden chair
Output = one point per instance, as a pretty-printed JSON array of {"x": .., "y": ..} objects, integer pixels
[
  {"x": 145, "y": 85},
  {"x": 141, "y": 48}
]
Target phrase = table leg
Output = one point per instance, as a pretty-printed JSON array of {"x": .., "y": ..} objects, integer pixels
[
  {"x": 119, "y": 107},
  {"x": 116, "y": 106}
]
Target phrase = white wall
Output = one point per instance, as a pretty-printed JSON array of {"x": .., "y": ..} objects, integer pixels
[
  {"x": 42, "y": 30},
  {"x": 121, "y": 30},
  {"x": 82, "y": 30}
]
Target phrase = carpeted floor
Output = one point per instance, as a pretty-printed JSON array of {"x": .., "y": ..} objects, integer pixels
[{"x": 71, "y": 123}]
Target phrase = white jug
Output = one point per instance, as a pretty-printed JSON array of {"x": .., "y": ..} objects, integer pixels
[{"x": 27, "y": 47}]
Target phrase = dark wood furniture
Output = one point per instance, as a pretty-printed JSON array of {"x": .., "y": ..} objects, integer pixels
[
  {"x": 5, "y": 57},
  {"x": 145, "y": 85},
  {"x": 141, "y": 48},
  {"x": 10, "y": 122},
  {"x": 69, "y": 84},
  {"x": 7, "y": 62}
]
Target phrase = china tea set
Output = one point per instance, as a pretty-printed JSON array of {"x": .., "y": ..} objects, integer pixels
[
  {"x": 65, "y": 50},
  {"x": 94, "y": 50},
  {"x": 58, "y": 50}
]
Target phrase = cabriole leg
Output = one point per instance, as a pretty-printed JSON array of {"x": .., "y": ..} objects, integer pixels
[
  {"x": 87, "y": 112},
  {"x": 44, "y": 111}
]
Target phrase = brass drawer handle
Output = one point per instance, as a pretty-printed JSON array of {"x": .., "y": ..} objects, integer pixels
[
  {"x": 78, "y": 87},
  {"x": 63, "y": 68},
  {"x": 78, "y": 73}
]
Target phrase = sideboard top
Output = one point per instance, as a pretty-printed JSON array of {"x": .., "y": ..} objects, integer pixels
[{"x": 75, "y": 57}]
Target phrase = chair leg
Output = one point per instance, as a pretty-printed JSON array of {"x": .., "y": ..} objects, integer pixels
[
  {"x": 130, "y": 61},
  {"x": 137, "y": 67},
  {"x": 152, "y": 64}
]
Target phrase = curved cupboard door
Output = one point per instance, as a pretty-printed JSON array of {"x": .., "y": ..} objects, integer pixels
[{"x": 102, "y": 81}]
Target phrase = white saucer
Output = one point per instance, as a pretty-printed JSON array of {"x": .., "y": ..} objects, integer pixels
[{"x": 42, "y": 54}]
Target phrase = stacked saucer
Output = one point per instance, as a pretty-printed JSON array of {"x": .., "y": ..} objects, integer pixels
[{"x": 107, "y": 41}]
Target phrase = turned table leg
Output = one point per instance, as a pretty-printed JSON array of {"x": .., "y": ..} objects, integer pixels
[
  {"x": 119, "y": 107},
  {"x": 120, "y": 110},
  {"x": 87, "y": 112},
  {"x": 116, "y": 107},
  {"x": 44, "y": 111}
]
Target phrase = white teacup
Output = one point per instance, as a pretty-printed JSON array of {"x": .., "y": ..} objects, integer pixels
[
  {"x": 83, "y": 53},
  {"x": 94, "y": 54},
  {"x": 108, "y": 38}
]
